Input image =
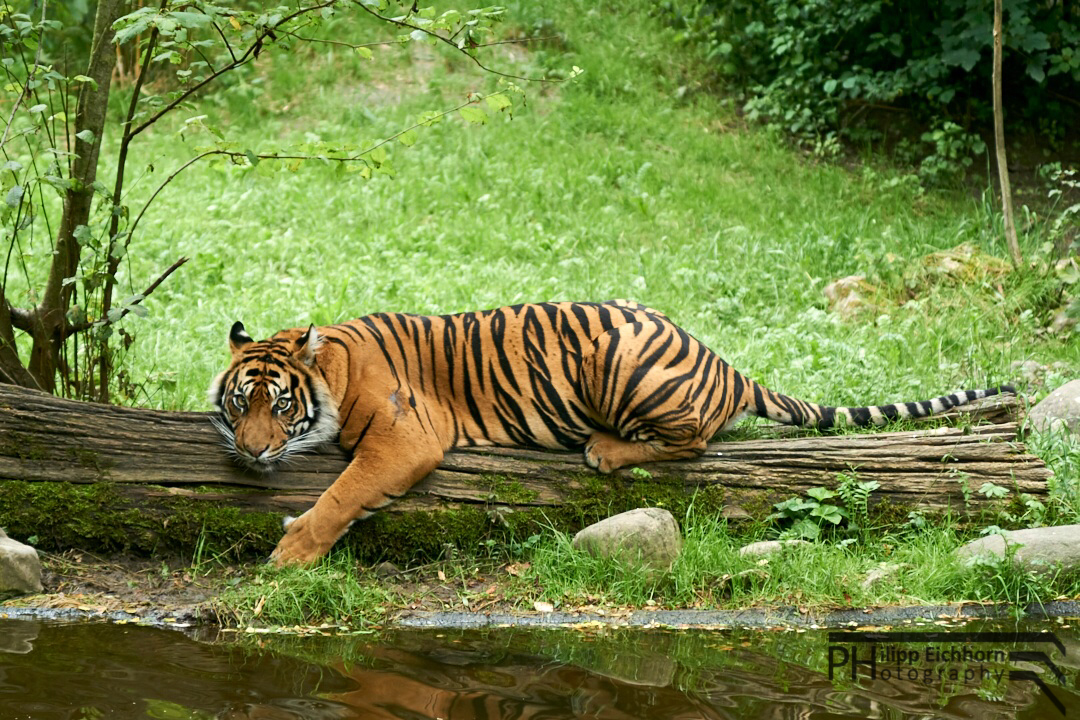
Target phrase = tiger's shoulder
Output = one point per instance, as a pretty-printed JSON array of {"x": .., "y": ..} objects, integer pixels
[{"x": 634, "y": 306}]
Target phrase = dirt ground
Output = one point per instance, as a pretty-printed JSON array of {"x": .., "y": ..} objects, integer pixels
[
  {"x": 79, "y": 585},
  {"x": 169, "y": 590}
]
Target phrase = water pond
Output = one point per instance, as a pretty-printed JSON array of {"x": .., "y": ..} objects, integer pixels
[{"x": 91, "y": 670}]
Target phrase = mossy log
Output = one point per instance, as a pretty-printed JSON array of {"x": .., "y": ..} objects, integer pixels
[{"x": 148, "y": 454}]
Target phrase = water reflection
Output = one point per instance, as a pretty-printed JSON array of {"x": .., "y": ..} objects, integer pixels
[{"x": 89, "y": 671}]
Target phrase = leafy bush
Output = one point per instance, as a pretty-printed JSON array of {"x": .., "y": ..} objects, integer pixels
[{"x": 811, "y": 67}]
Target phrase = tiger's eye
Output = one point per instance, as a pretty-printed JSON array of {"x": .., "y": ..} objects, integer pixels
[
  {"x": 240, "y": 402},
  {"x": 283, "y": 404}
]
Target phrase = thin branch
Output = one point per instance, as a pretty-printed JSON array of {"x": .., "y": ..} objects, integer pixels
[
  {"x": 111, "y": 260},
  {"x": 351, "y": 46},
  {"x": 29, "y": 76},
  {"x": 999, "y": 143},
  {"x": 21, "y": 318},
  {"x": 248, "y": 55},
  {"x": 169, "y": 179},
  {"x": 81, "y": 327},
  {"x": 225, "y": 40},
  {"x": 440, "y": 38},
  {"x": 356, "y": 46}
]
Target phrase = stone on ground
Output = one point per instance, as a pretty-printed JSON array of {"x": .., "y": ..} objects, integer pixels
[
  {"x": 1059, "y": 409},
  {"x": 1036, "y": 548},
  {"x": 769, "y": 547},
  {"x": 648, "y": 535},
  {"x": 846, "y": 295},
  {"x": 20, "y": 568}
]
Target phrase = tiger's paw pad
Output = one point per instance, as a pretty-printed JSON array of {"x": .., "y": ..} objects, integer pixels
[{"x": 598, "y": 455}]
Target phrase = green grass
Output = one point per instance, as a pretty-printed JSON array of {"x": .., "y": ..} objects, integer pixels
[
  {"x": 332, "y": 591},
  {"x": 621, "y": 183},
  {"x": 920, "y": 569},
  {"x": 710, "y": 574}
]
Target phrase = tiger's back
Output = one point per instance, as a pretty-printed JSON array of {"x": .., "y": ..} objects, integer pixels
[{"x": 508, "y": 376}]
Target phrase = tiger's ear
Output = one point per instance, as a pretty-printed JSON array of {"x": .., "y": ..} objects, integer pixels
[
  {"x": 306, "y": 345},
  {"x": 238, "y": 338}
]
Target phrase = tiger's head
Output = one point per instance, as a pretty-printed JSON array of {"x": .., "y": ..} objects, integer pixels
[{"x": 272, "y": 400}]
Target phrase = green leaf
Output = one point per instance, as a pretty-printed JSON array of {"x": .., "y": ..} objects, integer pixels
[
  {"x": 830, "y": 85},
  {"x": 806, "y": 529},
  {"x": 252, "y": 158},
  {"x": 38, "y": 109},
  {"x": 378, "y": 156},
  {"x": 965, "y": 57},
  {"x": 473, "y": 114},
  {"x": 190, "y": 19},
  {"x": 820, "y": 493},
  {"x": 498, "y": 102},
  {"x": 408, "y": 138},
  {"x": 85, "y": 79},
  {"x": 365, "y": 52},
  {"x": 429, "y": 118},
  {"x": 87, "y": 136},
  {"x": 14, "y": 196}
]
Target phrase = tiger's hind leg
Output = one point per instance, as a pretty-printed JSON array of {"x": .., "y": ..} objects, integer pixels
[
  {"x": 607, "y": 452},
  {"x": 658, "y": 393}
]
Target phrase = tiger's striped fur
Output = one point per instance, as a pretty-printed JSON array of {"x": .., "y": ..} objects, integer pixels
[{"x": 397, "y": 390}]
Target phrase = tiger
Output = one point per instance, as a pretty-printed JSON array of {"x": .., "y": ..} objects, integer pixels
[{"x": 616, "y": 379}]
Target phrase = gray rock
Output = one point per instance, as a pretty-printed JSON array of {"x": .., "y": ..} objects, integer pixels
[
  {"x": 387, "y": 570},
  {"x": 734, "y": 512},
  {"x": 1037, "y": 548},
  {"x": 769, "y": 547},
  {"x": 882, "y": 571},
  {"x": 20, "y": 568},
  {"x": 1030, "y": 371},
  {"x": 646, "y": 535},
  {"x": 845, "y": 296},
  {"x": 1059, "y": 409}
]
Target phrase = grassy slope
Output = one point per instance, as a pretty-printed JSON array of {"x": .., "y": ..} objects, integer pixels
[
  {"x": 610, "y": 186},
  {"x": 619, "y": 184}
]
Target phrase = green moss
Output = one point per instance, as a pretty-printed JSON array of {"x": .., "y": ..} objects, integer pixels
[
  {"x": 103, "y": 517},
  {"x": 100, "y": 517},
  {"x": 503, "y": 490},
  {"x": 23, "y": 446},
  {"x": 89, "y": 459}
]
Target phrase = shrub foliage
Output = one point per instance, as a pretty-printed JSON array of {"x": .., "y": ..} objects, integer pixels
[{"x": 811, "y": 66}]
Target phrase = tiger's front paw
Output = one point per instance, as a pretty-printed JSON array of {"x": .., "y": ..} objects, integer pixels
[{"x": 301, "y": 545}]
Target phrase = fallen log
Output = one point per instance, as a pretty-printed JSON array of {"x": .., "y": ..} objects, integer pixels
[{"x": 150, "y": 454}]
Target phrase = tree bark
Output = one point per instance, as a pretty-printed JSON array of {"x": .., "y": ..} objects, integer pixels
[
  {"x": 50, "y": 316},
  {"x": 149, "y": 454},
  {"x": 11, "y": 367},
  {"x": 999, "y": 144}
]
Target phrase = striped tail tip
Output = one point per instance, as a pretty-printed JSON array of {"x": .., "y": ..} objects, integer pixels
[{"x": 882, "y": 414}]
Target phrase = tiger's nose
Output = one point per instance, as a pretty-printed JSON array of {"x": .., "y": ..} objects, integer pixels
[{"x": 258, "y": 453}]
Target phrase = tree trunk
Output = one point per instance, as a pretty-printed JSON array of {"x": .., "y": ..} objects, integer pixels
[
  {"x": 149, "y": 454},
  {"x": 11, "y": 367},
  {"x": 999, "y": 145},
  {"x": 50, "y": 318}
]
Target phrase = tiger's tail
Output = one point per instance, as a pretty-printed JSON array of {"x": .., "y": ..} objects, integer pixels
[{"x": 765, "y": 403}]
